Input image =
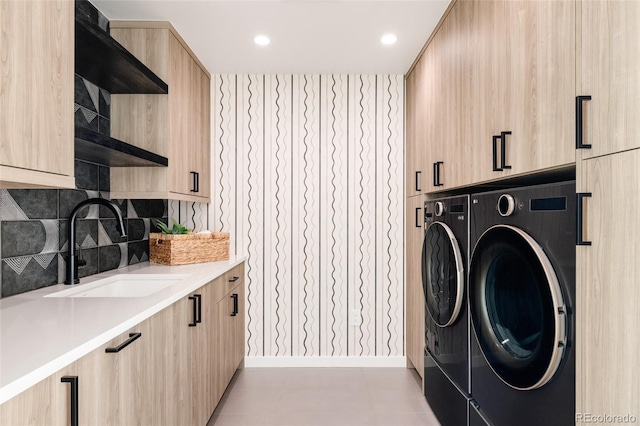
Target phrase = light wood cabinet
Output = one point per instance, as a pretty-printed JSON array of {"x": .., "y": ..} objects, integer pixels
[
  {"x": 173, "y": 374},
  {"x": 539, "y": 106},
  {"x": 417, "y": 141},
  {"x": 114, "y": 388},
  {"x": 607, "y": 291},
  {"x": 525, "y": 86},
  {"x": 46, "y": 403},
  {"x": 486, "y": 46},
  {"x": 451, "y": 104},
  {"x": 231, "y": 325},
  {"x": 176, "y": 125},
  {"x": 181, "y": 406},
  {"x": 608, "y": 71},
  {"x": 36, "y": 94},
  {"x": 203, "y": 343},
  {"x": 414, "y": 294},
  {"x": 499, "y": 83}
]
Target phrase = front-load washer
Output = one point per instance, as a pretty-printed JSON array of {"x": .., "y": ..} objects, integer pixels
[
  {"x": 444, "y": 269},
  {"x": 521, "y": 298}
]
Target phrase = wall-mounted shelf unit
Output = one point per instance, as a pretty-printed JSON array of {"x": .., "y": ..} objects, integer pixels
[
  {"x": 102, "y": 149},
  {"x": 103, "y": 61}
]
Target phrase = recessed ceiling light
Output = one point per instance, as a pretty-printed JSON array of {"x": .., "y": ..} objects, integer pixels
[
  {"x": 262, "y": 40},
  {"x": 389, "y": 39}
]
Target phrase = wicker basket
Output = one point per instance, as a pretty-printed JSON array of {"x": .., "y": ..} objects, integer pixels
[{"x": 169, "y": 249}]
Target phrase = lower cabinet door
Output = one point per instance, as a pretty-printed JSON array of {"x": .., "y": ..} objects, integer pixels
[
  {"x": 46, "y": 403},
  {"x": 202, "y": 350},
  {"x": 238, "y": 328},
  {"x": 415, "y": 295},
  {"x": 607, "y": 291}
]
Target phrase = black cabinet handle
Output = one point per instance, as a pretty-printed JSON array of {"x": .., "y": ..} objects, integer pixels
[
  {"x": 234, "y": 296},
  {"x": 418, "y": 223},
  {"x": 495, "y": 154},
  {"x": 130, "y": 340},
  {"x": 418, "y": 181},
  {"x": 195, "y": 311},
  {"x": 73, "y": 380},
  {"x": 579, "y": 144},
  {"x": 196, "y": 182},
  {"x": 436, "y": 173},
  {"x": 234, "y": 279},
  {"x": 503, "y": 153},
  {"x": 198, "y": 317},
  {"x": 579, "y": 210}
]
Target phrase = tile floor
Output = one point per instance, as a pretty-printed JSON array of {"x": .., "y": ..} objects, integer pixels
[{"x": 324, "y": 397}]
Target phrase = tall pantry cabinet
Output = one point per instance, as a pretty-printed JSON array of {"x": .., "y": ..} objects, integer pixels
[{"x": 608, "y": 176}]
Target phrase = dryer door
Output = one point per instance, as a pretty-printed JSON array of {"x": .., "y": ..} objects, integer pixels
[
  {"x": 442, "y": 274},
  {"x": 517, "y": 307}
]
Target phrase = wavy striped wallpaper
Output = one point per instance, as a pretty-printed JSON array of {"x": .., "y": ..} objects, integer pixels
[{"x": 308, "y": 178}]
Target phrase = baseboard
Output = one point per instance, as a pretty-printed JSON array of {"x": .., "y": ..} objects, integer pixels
[{"x": 325, "y": 361}]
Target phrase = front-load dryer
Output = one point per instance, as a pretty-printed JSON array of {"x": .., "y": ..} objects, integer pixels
[
  {"x": 521, "y": 298},
  {"x": 445, "y": 253}
]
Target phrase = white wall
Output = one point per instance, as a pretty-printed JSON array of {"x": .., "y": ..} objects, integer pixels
[{"x": 308, "y": 179}]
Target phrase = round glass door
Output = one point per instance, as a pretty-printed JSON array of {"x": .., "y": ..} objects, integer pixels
[
  {"x": 442, "y": 274},
  {"x": 517, "y": 307}
]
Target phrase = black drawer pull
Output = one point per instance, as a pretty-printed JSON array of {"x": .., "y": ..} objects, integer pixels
[
  {"x": 579, "y": 213},
  {"x": 199, "y": 316},
  {"x": 234, "y": 296},
  {"x": 503, "y": 154},
  {"x": 195, "y": 311},
  {"x": 436, "y": 173},
  {"x": 418, "y": 222},
  {"x": 234, "y": 279},
  {"x": 73, "y": 380},
  {"x": 130, "y": 340},
  {"x": 196, "y": 182},
  {"x": 495, "y": 154},
  {"x": 579, "y": 144},
  {"x": 418, "y": 189}
]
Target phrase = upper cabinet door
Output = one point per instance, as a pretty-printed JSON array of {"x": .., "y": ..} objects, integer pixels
[
  {"x": 609, "y": 72},
  {"x": 180, "y": 110},
  {"x": 486, "y": 46},
  {"x": 203, "y": 139},
  {"x": 540, "y": 98},
  {"x": 36, "y": 93},
  {"x": 417, "y": 143},
  {"x": 454, "y": 102},
  {"x": 522, "y": 86}
]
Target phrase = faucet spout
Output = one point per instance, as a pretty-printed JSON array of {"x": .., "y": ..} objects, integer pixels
[{"x": 72, "y": 258}]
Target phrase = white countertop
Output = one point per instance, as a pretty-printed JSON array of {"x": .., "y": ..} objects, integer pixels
[{"x": 40, "y": 335}]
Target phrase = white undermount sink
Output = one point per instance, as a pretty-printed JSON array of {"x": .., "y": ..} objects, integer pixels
[{"x": 124, "y": 285}]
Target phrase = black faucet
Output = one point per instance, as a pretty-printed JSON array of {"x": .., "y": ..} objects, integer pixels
[{"x": 72, "y": 258}]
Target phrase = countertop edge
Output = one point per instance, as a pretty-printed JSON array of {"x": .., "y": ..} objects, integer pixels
[{"x": 32, "y": 378}]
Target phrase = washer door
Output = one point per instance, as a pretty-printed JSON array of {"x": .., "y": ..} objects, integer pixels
[
  {"x": 442, "y": 274},
  {"x": 517, "y": 307}
]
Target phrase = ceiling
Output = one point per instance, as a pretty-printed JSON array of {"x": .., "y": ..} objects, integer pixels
[{"x": 307, "y": 36}]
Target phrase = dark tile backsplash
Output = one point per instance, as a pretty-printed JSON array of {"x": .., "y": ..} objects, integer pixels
[
  {"x": 33, "y": 250},
  {"x": 34, "y": 222}
]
